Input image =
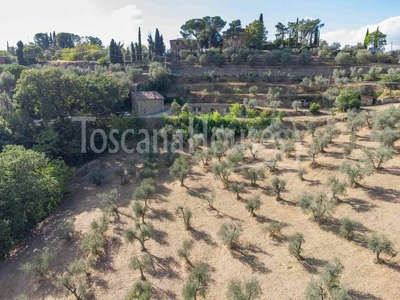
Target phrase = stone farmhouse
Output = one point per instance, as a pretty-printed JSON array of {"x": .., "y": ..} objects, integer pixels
[{"x": 146, "y": 103}]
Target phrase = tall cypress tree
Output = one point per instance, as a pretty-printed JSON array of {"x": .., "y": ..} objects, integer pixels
[
  {"x": 157, "y": 42},
  {"x": 140, "y": 46},
  {"x": 366, "y": 39},
  {"x": 133, "y": 51},
  {"x": 137, "y": 52},
  {"x": 20, "y": 54},
  {"x": 152, "y": 45},
  {"x": 262, "y": 18}
]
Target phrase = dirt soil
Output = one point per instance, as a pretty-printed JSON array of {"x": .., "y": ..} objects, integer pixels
[{"x": 375, "y": 204}]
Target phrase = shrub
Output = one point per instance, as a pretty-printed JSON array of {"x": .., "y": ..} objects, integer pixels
[
  {"x": 143, "y": 263},
  {"x": 7, "y": 81},
  {"x": 273, "y": 230},
  {"x": 295, "y": 243},
  {"x": 248, "y": 290},
  {"x": 278, "y": 186},
  {"x": 319, "y": 206},
  {"x": 314, "y": 108},
  {"x": 251, "y": 60},
  {"x": 192, "y": 59},
  {"x": 183, "y": 54},
  {"x": 204, "y": 60},
  {"x": 141, "y": 233},
  {"x": 343, "y": 59},
  {"x": 253, "y": 205},
  {"x": 133, "y": 73},
  {"x": 65, "y": 231},
  {"x": 306, "y": 85},
  {"x": 96, "y": 176},
  {"x": 253, "y": 90},
  {"x": 347, "y": 228},
  {"x": 379, "y": 243},
  {"x": 197, "y": 283},
  {"x": 305, "y": 58},
  {"x": 363, "y": 56},
  {"x": 40, "y": 265},
  {"x": 347, "y": 150},
  {"x": 296, "y": 105},
  {"x": 236, "y": 91},
  {"x": 184, "y": 251},
  {"x": 102, "y": 61},
  {"x": 186, "y": 216},
  {"x": 230, "y": 234}
]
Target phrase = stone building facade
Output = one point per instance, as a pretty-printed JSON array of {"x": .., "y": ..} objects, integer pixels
[{"x": 146, "y": 103}]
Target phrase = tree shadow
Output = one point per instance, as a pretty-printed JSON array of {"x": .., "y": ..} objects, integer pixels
[
  {"x": 359, "y": 205},
  {"x": 313, "y": 182},
  {"x": 159, "y": 293},
  {"x": 287, "y": 202},
  {"x": 391, "y": 171},
  {"x": 361, "y": 295},
  {"x": 311, "y": 264},
  {"x": 382, "y": 194},
  {"x": 202, "y": 236},
  {"x": 163, "y": 267},
  {"x": 160, "y": 237},
  {"x": 161, "y": 215},
  {"x": 198, "y": 192},
  {"x": 391, "y": 265},
  {"x": 245, "y": 255}
]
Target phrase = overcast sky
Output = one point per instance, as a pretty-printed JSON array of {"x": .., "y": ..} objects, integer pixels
[{"x": 345, "y": 21}]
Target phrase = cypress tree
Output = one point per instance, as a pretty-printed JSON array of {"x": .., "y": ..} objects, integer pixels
[
  {"x": 137, "y": 52},
  {"x": 140, "y": 46},
  {"x": 20, "y": 54},
  {"x": 133, "y": 51},
  {"x": 262, "y": 18},
  {"x": 152, "y": 45},
  {"x": 50, "y": 40},
  {"x": 366, "y": 39},
  {"x": 157, "y": 42}
]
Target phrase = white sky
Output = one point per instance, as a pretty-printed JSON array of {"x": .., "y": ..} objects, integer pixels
[{"x": 120, "y": 19}]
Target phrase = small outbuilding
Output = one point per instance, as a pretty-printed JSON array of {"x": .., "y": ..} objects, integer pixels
[{"x": 146, "y": 103}]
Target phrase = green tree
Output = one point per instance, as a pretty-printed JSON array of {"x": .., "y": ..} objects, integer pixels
[
  {"x": 139, "y": 46},
  {"x": 184, "y": 251},
  {"x": 247, "y": 290},
  {"x": 181, "y": 168},
  {"x": 295, "y": 245},
  {"x": 380, "y": 243},
  {"x": 40, "y": 266},
  {"x": 253, "y": 205},
  {"x": 277, "y": 186},
  {"x": 144, "y": 263},
  {"x": 197, "y": 283},
  {"x": 33, "y": 54},
  {"x": 186, "y": 216},
  {"x": 141, "y": 233},
  {"x": 376, "y": 39},
  {"x": 255, "y": 35},
  {"x": 230, "y": 233},
  {"x": 318, "y": 205},
  {"x": 348, "y": 99},
  {"x": 20, "y": 54},
  {"x": 141, "y": 290}
]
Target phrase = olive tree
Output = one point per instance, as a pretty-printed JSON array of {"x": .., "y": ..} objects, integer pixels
[
  {"x": 301, "y": 171},
  {"x": 230, "y": 233},
  {"x": 355, "y": 172},
  {"x": 253, "y": 205},
  {"x": 380, "y": 243},
  {"x": 197, "y": 283},
  {"x": 328, "y": 285},
  {"x": 65, "y": 231},
  {"x": 311, "y": 128},
  {"x": 273, "y": 162},
  {"x": 296, "y": 105},
  {"x": 347, "y": 228},
  {"x": 295, "y": 245},
  {"x": 141, "y": 233},
  {"x": 222, "y": 171},
  {"x": 145, "y": 191},
  {"x": 273, "y": 229},
  {"x": 75, "y": 281},
  {"x": 143, "y": 263},
  {"x": 141, "y": 290},
  {"x": 377, "y": 157},
  {"x": 277, "y": 186},
  {"x": 319, "y": 206},
  {"x": 253, "y": 174},
  {"x": 181, "y": 168},
  {"x": 184, "y": 251},
  {"x": 39, "y": 266},
  {"x": 204, "y": 155},
  {"x": 237, "y": 188},
  {"x": 139, "y": 211},
  {"x": 331, "y": 131},
  {"x": 186, "y": 215},
  {"x": 337, "y": 187},
  {"x": 249, "y": 290}
]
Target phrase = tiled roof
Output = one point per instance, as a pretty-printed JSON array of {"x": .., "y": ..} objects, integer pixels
[{"x": 147, "y": 96}]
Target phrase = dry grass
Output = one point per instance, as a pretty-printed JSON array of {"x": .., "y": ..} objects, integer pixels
[{"x": 375, "y": 205}]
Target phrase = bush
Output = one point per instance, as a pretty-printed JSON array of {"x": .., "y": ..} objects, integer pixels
[
  {"x": 253, "y": 90},
  {"x": 247, "y": 290},
  {"x": 305, "y": 58},
  {"x": 230, "y": 234},
  {"x": 295, "y": 243},
  {"x": 363, "y": 56},
  {"x": 183, "y": 54},
  {"x": 343, "y": 59},
  {"x": 192, "y": 59},
  {"x": 301, "y": 172},
  {"x": 7, "y": 81},
  {"x": 204, "y": 60},
  {"x": 314, "y": 108},
  {"x": 65, "y": 231}
]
